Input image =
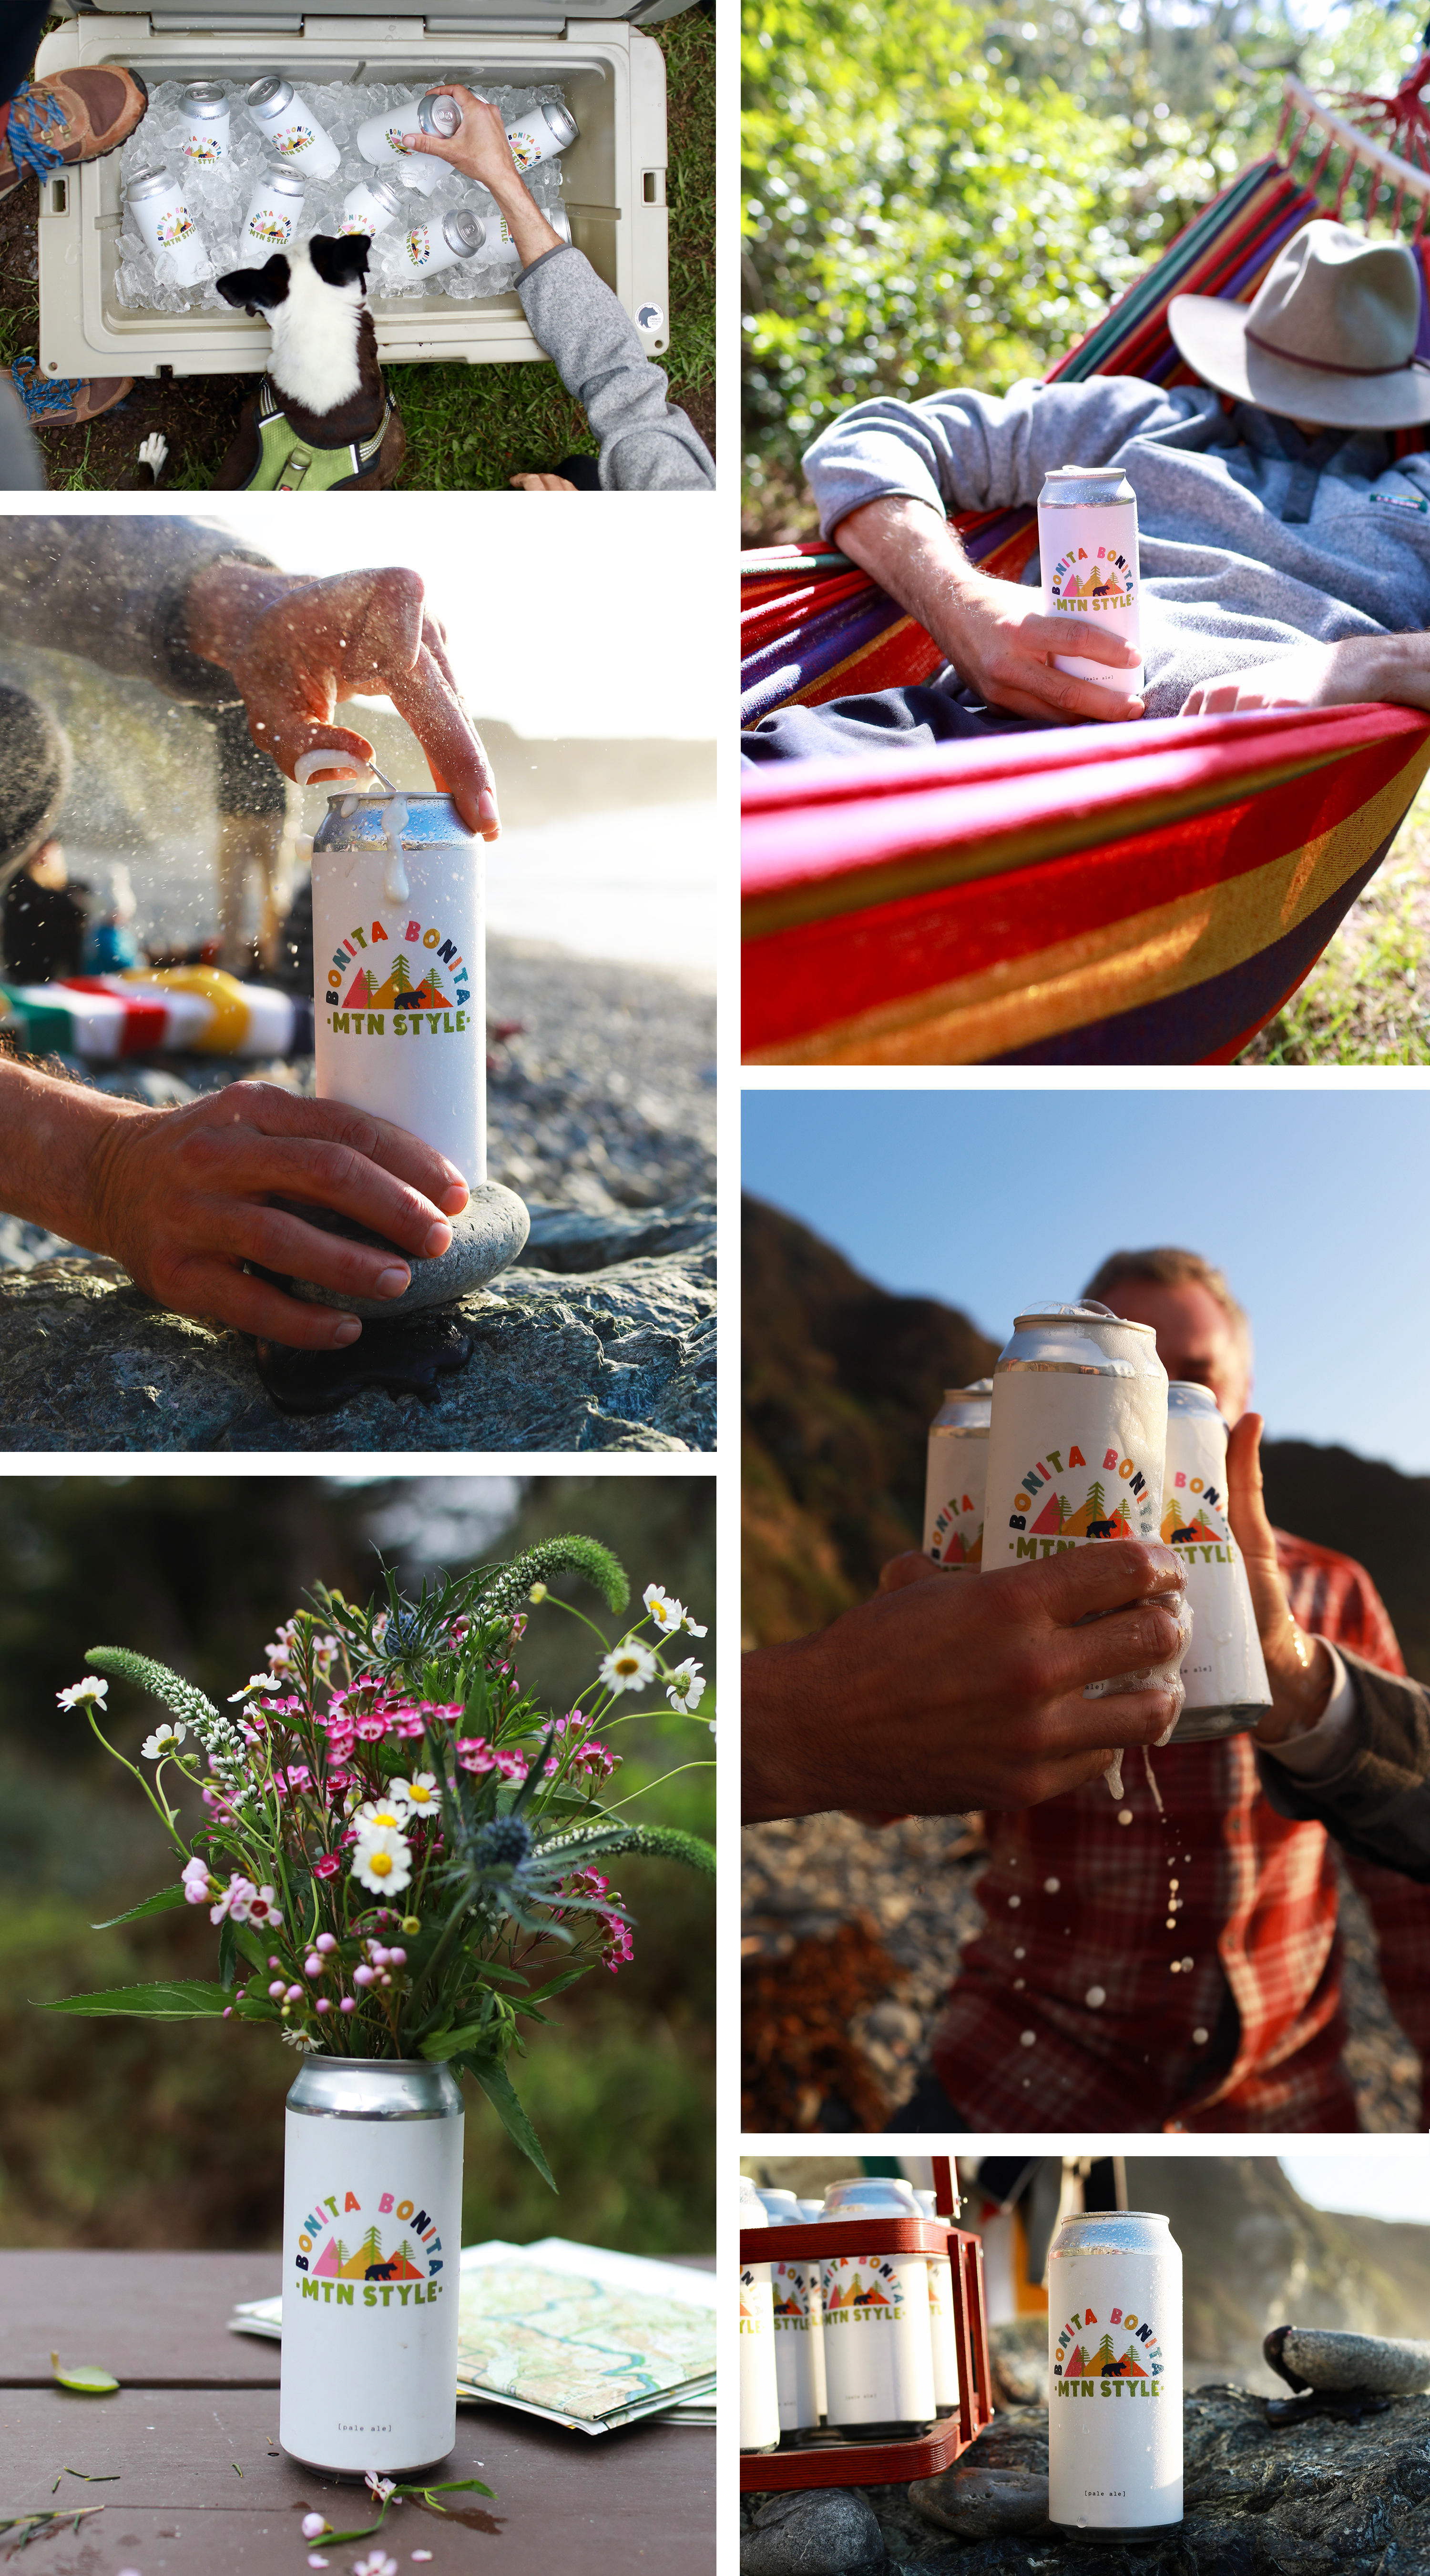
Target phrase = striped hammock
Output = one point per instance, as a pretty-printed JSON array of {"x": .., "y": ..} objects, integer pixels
[{"x": 885, "y": 924}]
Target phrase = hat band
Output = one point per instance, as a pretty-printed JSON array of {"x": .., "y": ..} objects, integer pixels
[{"x": 1324, "y": 366}]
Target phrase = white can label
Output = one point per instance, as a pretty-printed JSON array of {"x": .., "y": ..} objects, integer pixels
[
  {"x": 759, "y": 2387},
  {"x": 878, "y": 2348},
  {"x": 1089, "y": 560},
  {"x": 942, "y": 2331},
  {"x": 372, "y": 2231},
  {"x": 400, "y": 1001},
  {"x": 795, "y": 2341},
  {"x": 1223, "y": 1666},
  {"x": 1115, "y": 2390},
  {"x": 954, "y": 1486},
  {"x": 1072, "y": 1459}
]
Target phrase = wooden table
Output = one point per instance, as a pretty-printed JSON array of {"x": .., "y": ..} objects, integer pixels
[{"x": 203, "y": 2490}]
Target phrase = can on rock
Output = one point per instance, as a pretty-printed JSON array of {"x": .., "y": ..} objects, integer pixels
[
  {"x": 372, "y": 2234},
  {"x": 1223, "y": 1669},
  {"x": 1087, "y": 540},
  {"x": 1115, "y": 2376},
  {"x": 399, "y": 969},
  {"x": 956, "y": 1476},
  {"x": 942, "y": 2327},
  {"x": 1078, "y": 1436},
  {"x": 878, "y": 2343},
  {"x": 799, "y": 2356},
  {"x": 759, "y": 2385}
]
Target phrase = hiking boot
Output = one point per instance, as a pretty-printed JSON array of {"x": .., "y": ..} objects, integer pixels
[
  {"x": 62, "y": 402},
  {"x": 76, "y": 116}
]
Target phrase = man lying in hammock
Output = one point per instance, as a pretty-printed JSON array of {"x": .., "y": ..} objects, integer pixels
[{"x": 1285, "y": 550}]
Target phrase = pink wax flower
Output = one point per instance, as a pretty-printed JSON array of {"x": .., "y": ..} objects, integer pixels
[
  {"x": 618, "y": 1948},
  {"x": 263, "y": 1908},
  {"x": 196, "y": 1882},
  {"x": 236, "y": 1899},
  {"x": 409, "y": 1725},
  {"x": 512, "y": 1766},
  {"x": 371, "y": 1729},
  {"x": 327, "y": 1867},
  {"x": 475, "y": 1754}
]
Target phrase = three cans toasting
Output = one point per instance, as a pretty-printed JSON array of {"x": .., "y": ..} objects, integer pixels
[{"x": 1080, "y": 1438}]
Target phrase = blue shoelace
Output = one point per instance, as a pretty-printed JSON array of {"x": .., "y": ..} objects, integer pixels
[
  {"x": 30, "y": 111},
  {"x": 42, "y": 395}
]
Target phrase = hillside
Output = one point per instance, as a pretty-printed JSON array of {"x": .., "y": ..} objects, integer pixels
[{"x": 841, "y": 1382}]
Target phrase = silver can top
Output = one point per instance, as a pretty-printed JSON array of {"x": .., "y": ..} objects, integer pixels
[
  {"x": 375, "y": 2088},
  {"x": 1114, "y": 2231},
  {"x": 871, "y": 2196},
  {"x": 1079, "y": 486},
  {"x": 562, "y": 123},
  {"x": 811, "y": 2209},
  {"x": 1184, "y": 1395},
  {"x": 1086, "y": 1339},
  {"x": 780, "y": 2207},
  {"x": 378, "y": 189},
  {"x": 206, "y": 98},
  {"x": 148, "y": 183},
  {"x": 354, "y": 822},
  {"x": 926, "y": 2201},
  {"x": 280, "y": 183},
  {"x": 438, "y": 114},
  {"x": 966, "y": 1408},
  {"x": 753, "y": 2212},
  {"x": 268, "y": 97},
  {"x": 463, "y": 232}
]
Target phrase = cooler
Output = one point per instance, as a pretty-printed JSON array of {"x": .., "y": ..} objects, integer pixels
[{"x": 613, "y": 176}]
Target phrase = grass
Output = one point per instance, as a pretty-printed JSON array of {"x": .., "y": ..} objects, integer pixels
[
  {"x": 1368, "y": 1000},
  {"x": 468, "y": 428}
]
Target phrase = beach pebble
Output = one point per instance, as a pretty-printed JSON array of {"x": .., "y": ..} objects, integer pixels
[
  {"x": 979, "y": 2503},
  {"x": 1315, "y": 2357},
  {"x": 826, "y": 2531},
  {"x": 486, "y": 1239}
]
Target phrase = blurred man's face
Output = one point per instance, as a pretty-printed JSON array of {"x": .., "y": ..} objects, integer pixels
[{"x": 1196, "y": 1338}]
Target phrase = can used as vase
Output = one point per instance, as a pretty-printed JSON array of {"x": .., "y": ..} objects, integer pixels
[
  {"x": 399, "y": 969},
  {"x": 372, "y": 2231}
]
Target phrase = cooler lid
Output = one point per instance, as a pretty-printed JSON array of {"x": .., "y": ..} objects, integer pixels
[{"x": 356, "y": 17}]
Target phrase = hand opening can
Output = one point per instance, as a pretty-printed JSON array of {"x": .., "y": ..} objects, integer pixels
[
  {"x": 1087, "y": 540},
  {"x": 759, "y": 2387},
  {"x": 799, "y": 2353},
  {"x": 878, "y": 2344},
  {"x": 372, "y": 2233},
  {"x": 956, "y": 1476},
  {"x": 1078, "y": 1436},
  {"x": 1223, "y": 1670},
  {"x": 1115, "y": 2376}
]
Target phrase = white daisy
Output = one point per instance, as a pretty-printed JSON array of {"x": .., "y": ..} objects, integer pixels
[
  {"x": 685, "y": 1686},
  {"x": 630, "y": 1666},
  {"x": 258, "y": 1682},
  {"x": 421, "y": 1795},
  {"x": 90, "y": 1688},
  {"x": 165, "y": 1739},
  {"x": 382, "y": 1861},
  {"x": 389, "y": 1813},
  {"x": 667, "y": 1615}
]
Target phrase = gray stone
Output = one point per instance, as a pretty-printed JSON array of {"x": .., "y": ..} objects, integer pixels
[
  {"x": 622, "y": 1358},
  {"x": 573, "y": 1239},
  {"x": 1314, "y": 2357},
  {"x": 486, "y": 1238},
  {"x": 820, "y": 2531},
  {"x": 978, "y": 2501}
]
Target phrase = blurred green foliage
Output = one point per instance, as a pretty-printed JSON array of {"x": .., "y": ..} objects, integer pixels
[
  {"x": 126, "y": 2134},
  {"x": 949, "y": 193}
]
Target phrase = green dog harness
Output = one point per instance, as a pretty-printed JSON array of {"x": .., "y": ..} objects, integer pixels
[{"x": 288, "y": 463}]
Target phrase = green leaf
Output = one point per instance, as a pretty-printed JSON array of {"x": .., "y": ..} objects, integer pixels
[
  {"x": 452, "y": 2043},
  {"x": 86, "y": 2381},
  {"x": 176, "y": 1999},
  {"x": 501, "y": 2093},
  {"x": 227, "y": 1954},
  {"x": 163, "y": 1903},
  {"x": 553, "y": 1986}
]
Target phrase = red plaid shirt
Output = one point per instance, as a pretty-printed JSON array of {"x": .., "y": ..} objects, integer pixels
[{"x": 1179, "y": 1973}]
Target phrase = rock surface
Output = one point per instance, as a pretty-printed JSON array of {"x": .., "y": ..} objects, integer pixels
[
  {"x": 977, "y": 2500},
  {"x": 823, "y": 2531},
  {"x": 1315, "y": 2357},
  {"x": 1318, "y": 2497},
  {"x": 616, "y": 1358}
]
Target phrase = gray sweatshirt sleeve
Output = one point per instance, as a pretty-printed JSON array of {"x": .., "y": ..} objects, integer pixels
[
  {"x": 113, "y": 590},
  {"x": 646, "y": 444},
  {"x": 969, "y": 451}
]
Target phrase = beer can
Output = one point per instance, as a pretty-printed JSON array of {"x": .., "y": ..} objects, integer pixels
[
  {"x": 382, "y": 137},
  {"x": 1223, "y": 1669},
  {"x": 371, "y": 207},
  {"x": 399, "y": 969},
  {"x": 1087, "y": 539},
  {"x": 372, "y": 2235},
  {"x": 205, "y": 104},
  {"x": 809, "y": 2210},
  {"x": 540, "y": 134},
  {"x": 759, "y": 2385},
  {"x": 157, "y": 204},
  {"x": 799, "y": 2373},
  {"x": 878, "y": 2343},
  {"x": 956, "y": 1476},
  {"x": 1078, "y": 1434},
  {"x": 289, "y": 127},
  {"x": 273, "y": 212},
  {"x": 1115, "y": 2376},
  {"x": 505, "y": 249},
  {"x": 429, "y": 247},
  {"x": 942, "y": 2329}
]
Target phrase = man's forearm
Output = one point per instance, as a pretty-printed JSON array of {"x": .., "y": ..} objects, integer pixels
[
  {"x": 56, "y": 1138},
  {"x": 915, "y": 555},
  {"x": 525, "y": 222}
]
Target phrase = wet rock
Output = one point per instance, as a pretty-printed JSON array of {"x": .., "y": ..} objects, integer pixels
[
  {"x": 1314, "y": 2357},
  {"x": 620, "y": 1358},
  {"x": 979, "y": 2502},
  {"x": 822, "y": 2531},
  {"x": 486, "y": 1238}
]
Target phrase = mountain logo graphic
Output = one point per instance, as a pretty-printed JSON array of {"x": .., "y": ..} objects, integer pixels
[
  {"x": 873, "y": 2287},
  {"x": 958, "y": 1533},
  {"x": 367, "y": 2261},
  {"x": 1126, "y": 2348},
  {"x": 380, "y": 970},
  {"x": 1107, "y": 575}
]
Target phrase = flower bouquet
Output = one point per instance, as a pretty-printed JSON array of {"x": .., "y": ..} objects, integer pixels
[{"x": 403, "y": 1856}]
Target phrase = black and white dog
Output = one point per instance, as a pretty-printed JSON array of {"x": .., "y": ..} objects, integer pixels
[{"x": 322, "y": 419}]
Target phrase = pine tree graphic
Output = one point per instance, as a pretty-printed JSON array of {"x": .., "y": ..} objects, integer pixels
[
  {"x": 401, "y": 973},
  {"x": 1096, "y": 1500}
]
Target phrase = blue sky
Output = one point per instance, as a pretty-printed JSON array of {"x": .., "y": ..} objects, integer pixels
[
  {"x": 1314, "y": 1203},
  {"x": 1376, "y": 2180}
]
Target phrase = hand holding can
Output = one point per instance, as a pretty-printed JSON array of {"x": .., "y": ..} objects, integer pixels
[{"x": 1087, "y": 539}]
